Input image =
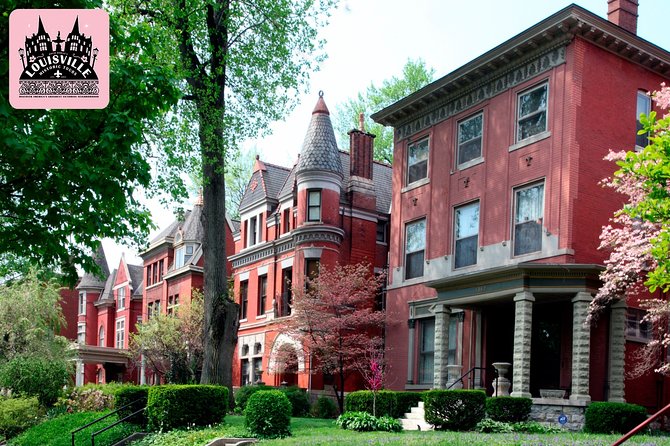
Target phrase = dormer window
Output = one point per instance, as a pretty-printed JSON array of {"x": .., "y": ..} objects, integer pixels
[
  {"x": 183, "y": 255},
  {"x": 121, "y": 298}
]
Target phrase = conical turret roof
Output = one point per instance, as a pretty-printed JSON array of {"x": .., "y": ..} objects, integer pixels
[
  {"x": 91, "y": 280},
  {"x": 319, "y": 151}
]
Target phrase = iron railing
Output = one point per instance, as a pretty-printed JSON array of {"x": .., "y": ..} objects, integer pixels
[
  {"x": 97, "y": 420},
  {"x": 641, "y": 426},
  {"x": 472, "y": 379}
]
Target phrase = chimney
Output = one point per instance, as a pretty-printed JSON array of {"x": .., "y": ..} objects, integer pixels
[
  {"x": 623, "y": 13},
  {"x": 360, "y": 151}
]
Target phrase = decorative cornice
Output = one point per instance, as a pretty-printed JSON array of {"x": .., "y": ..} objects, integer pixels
[
  {"x": 318, "y": 233},
  {"x": 262, "y": 251},
  {"x": 183, "y": 270}
]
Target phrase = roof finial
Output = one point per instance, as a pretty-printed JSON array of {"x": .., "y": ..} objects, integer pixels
[
  {"x": 361, "y": 122},
  {"x": 320, "y": 93}
]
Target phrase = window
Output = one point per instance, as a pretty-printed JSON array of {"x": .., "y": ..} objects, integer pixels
[
  {"x": 466, "y": 235},
  {"x": 253, "y": 231},
  {"x": 149, "y": 275},
  {"x": 636, "y": 327},
  {"x": 286, "y": 220},
  {"x": 154, "y": 268},
  {"x": 257, "y": 369},
  {"x": 82, "y": 303},
  {"x": 121, "y": 298},
  {"x": 311, "y": 268},
  {"x": 245, "y": 372},
  {"x": 286, "y": 296},
  {"x": 643, "y": 107},
  {"x": 314, "y": 205},
  {"x": 173, "y": 303},
  {"x": 244, "y": 298},
  {"x": 81, "y": 333},
  {"x": 528, "y": 214},
  {"x": 427, "y": 351},
  {"x": 120, "y": 333},
  {"x": 101, "y": 336},
  {"x": 532, "y": 112},
  {"x": 470, "y": 139},
  {"x": 415, "y": 245},
  {"x": 262, "y": 294},
  {"x": 160, "y": 269},
  {"x": 183, "y": 255},
  {"x": 382, "y": 228},
  {"x": 417, "y": 161}
]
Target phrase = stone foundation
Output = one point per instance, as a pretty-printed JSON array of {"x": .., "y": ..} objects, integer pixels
[{"x": 548, "y": 411}]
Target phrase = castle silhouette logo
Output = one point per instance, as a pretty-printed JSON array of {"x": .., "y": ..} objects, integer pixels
[{"x": 59, "y": 58}]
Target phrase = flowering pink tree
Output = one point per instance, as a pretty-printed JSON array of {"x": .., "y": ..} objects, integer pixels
[
  {"x": 335, "y": 319},
  {"x": 639, "y": 236},
  {"x": 373, "y": 367}
]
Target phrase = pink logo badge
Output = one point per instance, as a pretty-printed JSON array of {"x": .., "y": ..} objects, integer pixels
[{"x": 59, "y": 58}]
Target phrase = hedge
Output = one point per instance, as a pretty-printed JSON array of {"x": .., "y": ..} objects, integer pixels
[
  {"x": 132, "y": 394},
  {"x": 363, "y": 401},
  {"x": 508, "y": 409},
  {"x": 243, "y": 393},
  {"x": 17, "y": 415},
  {"x": 606, "y": 417},
  {"x": 324, "y": 407},
  {"x": 454, "y": 409},
  {"x": 174, "y": 406},
  {"x": 268, "y": 414},
  {"x": 298, "y": 399}
]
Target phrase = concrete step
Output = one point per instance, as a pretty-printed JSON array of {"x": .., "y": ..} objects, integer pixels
[{"x": 415, "y": 419}]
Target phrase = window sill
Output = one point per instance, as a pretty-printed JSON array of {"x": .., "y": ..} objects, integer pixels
[
  {"x": 413, "y": 280},
  {"x": 418, "y": 386},
  {"x": 243, "y": 320},
  {"x": 469, "y": 164},
  {"x": 530, "y": 140},
  {"x": 637, "y": 339},
  {"x": 263, "y": 316},
  {"x": 415, "y": 184}
]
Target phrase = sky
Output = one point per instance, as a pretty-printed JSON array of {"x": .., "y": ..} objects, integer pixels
[{"x": 368, "y": 41}]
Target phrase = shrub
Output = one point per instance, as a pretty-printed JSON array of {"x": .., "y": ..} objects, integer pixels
[
  {"x": 268, "y": 414},
  {"x": 17, "y": 415},
  {"x": 128, "y": 395},
  {"x": 489, "y": 426},
  {"x": 243, "y": 393},
  {"x": 405, "y": 401},
  {"x": 173, "y": 406},
  {"x": 533, "y": 427},
  {"x": 85, "y": 399},
  {"x": 605, "y": 417},
  {"x": 363, "y": 401},
  {"x": 454, "y": 409},
  {"x": 40, "y": 377},
  {"x": 508, "y": 409},
  {"x": 299, "y": 400},
  {"x": 364, "y": 422},
  {"x": 324, "y": 407}
]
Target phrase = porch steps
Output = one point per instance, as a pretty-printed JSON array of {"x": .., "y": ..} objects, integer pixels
[{"x": 415, "y": 420}]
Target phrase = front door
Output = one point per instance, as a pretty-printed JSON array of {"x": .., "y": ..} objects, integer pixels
[{"x": 551, "y": 347}]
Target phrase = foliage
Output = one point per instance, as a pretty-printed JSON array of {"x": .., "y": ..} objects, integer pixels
[
  {"x": 638, "y": 237},
  {"x": 533, "y": 427},
  {"x": 135, "y": 397},
  {"x": 86, "y": 399},
  {"x": 268, "y": 414},
  {"x": 489, "y": 426},
  {"x": 172, "y": 346},
  {"x": 365, "y": 422},
  {"x": 324, "y": 407},
  {"x": 30, "y": 317},
  {"x": 405, "y": 401},
  {"x": 508, "y": 409},
  {"x": 243, "y": 393},
  {"x": 32, "y": 376},
  {"x": 606, "y": 417},
  {"x": 67, "y": 177},
  {"x": 299, "y": 400},
  {"x": 454, "y": 409},
  {"x": 240, "y": 65},
  {"x": 334, "y": 318},
  {"x": 56, "y": 431},
  {"x": 174, "y": 406},
  {"x": 195, "y": 436},
  {"x": 364, "y": 401},
  {"x": 17, "y": 415},
  {"x": 415, "y": 75}
]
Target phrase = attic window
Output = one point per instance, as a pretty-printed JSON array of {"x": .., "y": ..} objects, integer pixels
[{"x": 183, "y": 255}]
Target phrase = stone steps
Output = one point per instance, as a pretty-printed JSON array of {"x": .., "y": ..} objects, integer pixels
[{"x": 415, "y": 420}]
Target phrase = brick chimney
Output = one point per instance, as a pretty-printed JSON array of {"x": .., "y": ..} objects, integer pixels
[
  {"x": 360, "y": 151},
  {"x": 623, "y": 13}
]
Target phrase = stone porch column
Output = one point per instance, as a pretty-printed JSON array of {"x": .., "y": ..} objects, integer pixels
[
  {"x": 523, "y": 319},
  {"x": 441, "y": 357},
  {"x": 617, "y": 352},
  {"x": 581, "y": 348},
  {"x": 411, "y": 324}
]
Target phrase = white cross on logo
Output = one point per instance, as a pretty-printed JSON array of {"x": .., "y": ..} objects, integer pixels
[{"x": 58, "y": 74}]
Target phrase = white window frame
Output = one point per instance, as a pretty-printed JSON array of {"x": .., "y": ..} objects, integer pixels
[
  {"x": 101, "y": 336},
  {"x": 423, "y": 248},
  {"x": 458, "y": 238},
  {"x": 646, "y": 109},
  {"x": 515, "y": 223},
  {"x": 463, "y": 164},
  {"x": 121, "y": 298},
  {"x": 316, "y": 206},
  {"x": 81, "y": 333},
  {"x": 408, "y": 180},
  {"x": 120, "y": 333},
  {"x": 532, "y": 114},
  {"x": 82, "y": 303}
]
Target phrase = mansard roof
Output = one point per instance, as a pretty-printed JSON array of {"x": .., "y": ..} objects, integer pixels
[
  {"x": 437, "y": 100},
  {"x": 192, "y": 227},
  {"x": 319, "y": 151},
  {"x": 265, "y": 184},
  {"x": 90, "y": 280},
  {"x": 137, "y": 278}
]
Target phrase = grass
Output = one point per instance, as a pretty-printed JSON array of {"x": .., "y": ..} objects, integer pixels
[
  {"x": 56, "y": 431},
  {"x": 318, "y": 432}
]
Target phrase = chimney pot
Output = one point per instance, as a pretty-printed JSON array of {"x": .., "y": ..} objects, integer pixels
[{"x": 623, "y": 13}]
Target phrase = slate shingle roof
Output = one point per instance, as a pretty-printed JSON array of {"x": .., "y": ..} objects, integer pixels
[
  {"x": 265, "y": 183},
  {"x": 319, "y": 151},
  {"x": 137, "y": 277},
  {"x": 107, "y": 294},
  {"x": 192, "y": 227},
  {"x": 381, "y": 177},
  {"x": 91, "y": 280}
]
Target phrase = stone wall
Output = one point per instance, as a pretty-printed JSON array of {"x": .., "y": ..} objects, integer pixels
[{"x": 548, "y": 411}]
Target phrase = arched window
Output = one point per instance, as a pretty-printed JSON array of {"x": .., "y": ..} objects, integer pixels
[{"x": 101, "y": 336}]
